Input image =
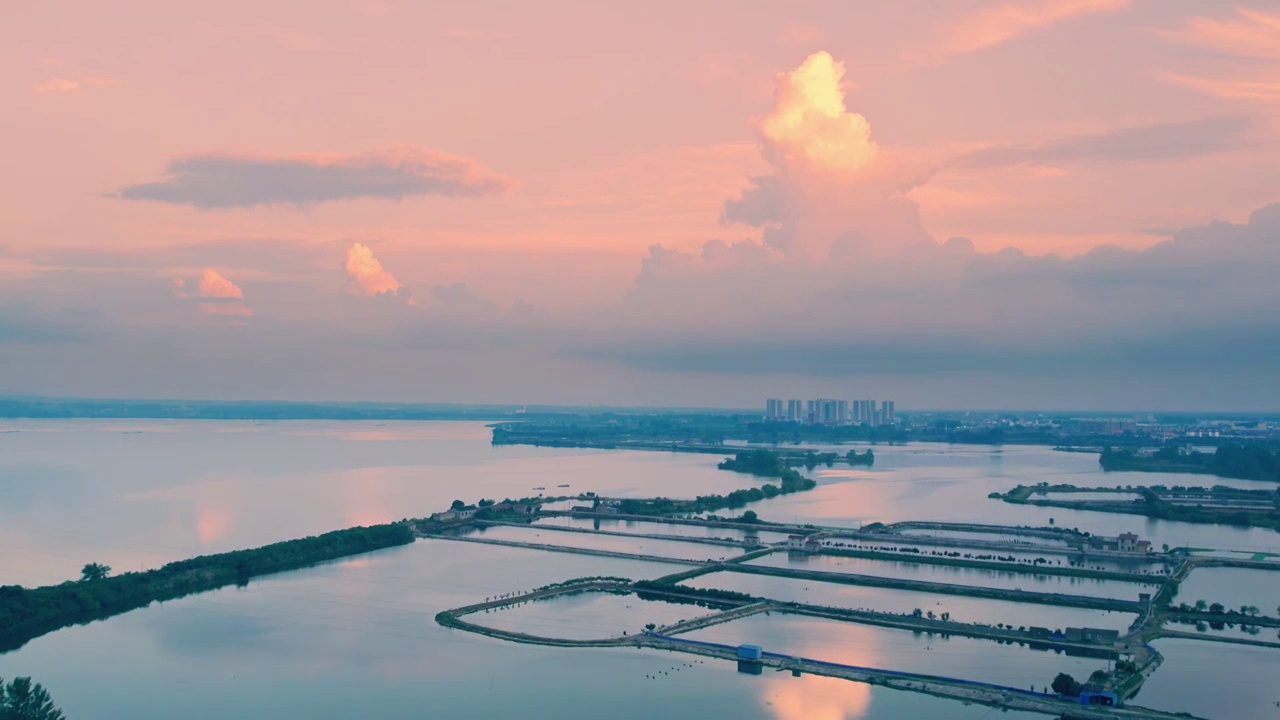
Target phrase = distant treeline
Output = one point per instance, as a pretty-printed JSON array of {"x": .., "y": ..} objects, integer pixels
[
  {"x": 1218, "y": 505},
  {"x": 704, "y": 597},
  {"x": 29, "y": 613},
  {"x": 1252, "y": 461},
  {"x": 698, "y": 432},
  {"x": 772, "y": 463},
  {"x": 764, "y": 463}
]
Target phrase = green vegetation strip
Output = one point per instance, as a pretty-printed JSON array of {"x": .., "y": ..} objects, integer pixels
[
  {"x": 761, "y": 463},
  {"x": 26, "y": 614}
]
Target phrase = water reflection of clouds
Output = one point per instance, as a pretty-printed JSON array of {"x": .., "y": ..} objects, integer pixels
[
  {"x": 213, "y": 520},
  {"x": 368, "y": 496},
  {"x": 817, "y": 698}
]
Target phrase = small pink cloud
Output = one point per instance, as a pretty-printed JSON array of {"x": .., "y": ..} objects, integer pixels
[
  {"x": 367, "y": 274},
  {"x": 215, "y": 294},
  {"x": 214, "y": 286},
  {"x": 56, "y": 85}
]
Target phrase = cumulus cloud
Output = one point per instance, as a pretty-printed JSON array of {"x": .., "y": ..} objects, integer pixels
[
  {"x": 368, "y": 277},
  {"x": 1201, "y": 299},
  {"x": 213, "y": 293},
  {"x": 213, "y": 286},
  {"x": 810, "y": 125},
  {"x": 218, "y": 181},
  {"x": 845, "y": 283},
  {"x": 1164, "y": 141},
  {"x": 832, "y": 186}
]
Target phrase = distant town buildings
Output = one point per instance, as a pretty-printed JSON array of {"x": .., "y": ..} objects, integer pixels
[{"x": 831, "y": 411}]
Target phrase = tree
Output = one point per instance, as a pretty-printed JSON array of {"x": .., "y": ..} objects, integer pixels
[
  {"x": 1201, "y": 606},
  {"x": 22, "y": 699},
  {"x": 750, "y": 516},
  {"x": 485, "y": 503},
  {"x": 94, "y": 571},
  {"x": 457, "y": 505},
  {"x": 1064, "y": 684},
  {"x": 1217, "y": 609}
]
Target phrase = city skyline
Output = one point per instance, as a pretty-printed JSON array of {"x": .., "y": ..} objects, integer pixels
[{"x": 831, "y": 411}]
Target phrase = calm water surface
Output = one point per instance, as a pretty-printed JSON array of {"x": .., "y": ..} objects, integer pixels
[
  {"x": 139, "y": 494},
  {"x": 959, "y": 575},
  {"x": 930, "y": 481},
  {"x": 962, "y": 609},
  {"x": 1233, "y": 587},
  {"x": 1214, "y": 680},
  {"x": 358, "y": 638},
  {"x": 867, "y": 646}
]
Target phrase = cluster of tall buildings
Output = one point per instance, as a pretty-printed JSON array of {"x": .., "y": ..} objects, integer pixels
[{"x": 827, "y": 411}]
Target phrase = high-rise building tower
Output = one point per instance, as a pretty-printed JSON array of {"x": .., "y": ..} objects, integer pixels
[
  {"x": 795, "y": 410},
  {"x": 887, "y": 410},
  {"x": 773, "y": 410}
]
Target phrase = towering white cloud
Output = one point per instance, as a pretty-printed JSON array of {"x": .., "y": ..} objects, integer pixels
[
  {"x": 809, "y": 124},
  {"x": 368, "y": 277},
  {"x": 833, "y": 187}
]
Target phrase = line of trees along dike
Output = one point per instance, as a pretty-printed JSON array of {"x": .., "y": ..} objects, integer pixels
[
  {"x": 1248, "y": 461},
  {"x": 761, "y": 463},
  {"x": 26, "y": 614}
]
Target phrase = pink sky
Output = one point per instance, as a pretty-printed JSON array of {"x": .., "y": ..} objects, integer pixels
[{"x": 491, "y": 178}]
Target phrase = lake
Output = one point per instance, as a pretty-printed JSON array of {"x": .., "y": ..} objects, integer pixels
[
  {"x": 867, "y": 646},
  {"x": 907, "y": 570},
  {"x": 358, "y": 638},
  {"x": 934, "y": 481},
  {"x": 1214, "y": 680},
  {"x": 1233, "y": 587},
  {"x": 962, "y": 608}
]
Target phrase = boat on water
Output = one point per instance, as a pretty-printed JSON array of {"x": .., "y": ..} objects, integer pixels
[
  {"x": 564, "y": 485},
  {"x": 540, "y": 487}
]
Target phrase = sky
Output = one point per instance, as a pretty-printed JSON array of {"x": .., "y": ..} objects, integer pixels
[{"x": 1030, "y": 204}]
